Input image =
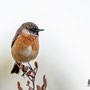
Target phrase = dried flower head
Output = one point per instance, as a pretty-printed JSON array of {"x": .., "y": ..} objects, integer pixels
[
  {"x": 19, "y": 87},
  {"x": 24, "y": 68},
  {"x": 31, "y": 75},
  {"x": 28, "y": 82},
  {"x": 44, "y": 81},
  {"x": 38, "y": 87},
  {"x": 36, "y": 64}
]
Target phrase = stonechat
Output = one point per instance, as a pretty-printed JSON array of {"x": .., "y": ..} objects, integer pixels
[{"x": 25, "y": 44}]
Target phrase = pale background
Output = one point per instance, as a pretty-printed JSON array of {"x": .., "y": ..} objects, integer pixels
[{"x": 64, "y": 55}]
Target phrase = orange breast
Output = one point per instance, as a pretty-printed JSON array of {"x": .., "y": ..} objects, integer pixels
[{"x": 21, "y": 47}]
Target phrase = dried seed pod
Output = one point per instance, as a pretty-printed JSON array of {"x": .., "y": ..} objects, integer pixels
[
  {"x": 18, "y": 84},
  {"x": 19, "y": 87},
  {"x": 28, "y": 73},
  {"x": 36, "y": 64},
  {"x": 44, "y": 81},
  {"x": 22, "y": 67},
  {"x": 29, "y": 88},
  {"x": 38, "y": 87},
  {"x": 43, "y": 87},
  {"x": 28, "y": 82}
]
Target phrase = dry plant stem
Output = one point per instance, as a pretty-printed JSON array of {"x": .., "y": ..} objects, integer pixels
[
  {"x": 33, "y": 88},
  {"x": 31, "y": 75},
  {"x": 30, "y": 87},
  {"x": 33, "y": 78},
  {"x": 33, "y": 82},
  {"x": 27, "y": 76}
]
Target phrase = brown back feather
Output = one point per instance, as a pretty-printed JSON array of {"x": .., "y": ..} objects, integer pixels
[{"x": 16, "y": 36}]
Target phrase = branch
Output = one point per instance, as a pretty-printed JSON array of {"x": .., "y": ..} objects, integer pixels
[{"x": 31, "y": 75}]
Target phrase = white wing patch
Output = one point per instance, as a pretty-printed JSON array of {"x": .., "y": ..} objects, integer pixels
[{"x": 28, "y": 52}]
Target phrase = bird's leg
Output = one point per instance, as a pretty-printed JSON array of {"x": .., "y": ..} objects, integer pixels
[
  {"x": 31, "y": 69},
  {"x": 23, "y": 74}
]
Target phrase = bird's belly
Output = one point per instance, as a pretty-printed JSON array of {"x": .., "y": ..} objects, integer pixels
[
  {"x": 25, "y": 55},
  {"x": 25, "y": 49},
  {"x": 29, "y": 54}
]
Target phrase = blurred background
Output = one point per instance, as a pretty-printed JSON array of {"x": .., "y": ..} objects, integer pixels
[{"x": 64, "y": 55}]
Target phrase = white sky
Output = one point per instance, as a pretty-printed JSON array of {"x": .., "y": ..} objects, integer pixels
[{"x": 65, "y": 44}]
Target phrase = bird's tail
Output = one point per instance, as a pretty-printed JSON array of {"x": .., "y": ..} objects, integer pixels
[{"x": 16, "y": 68}]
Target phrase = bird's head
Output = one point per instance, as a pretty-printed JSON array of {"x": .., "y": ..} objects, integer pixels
[{"x": 31, "y": 29}]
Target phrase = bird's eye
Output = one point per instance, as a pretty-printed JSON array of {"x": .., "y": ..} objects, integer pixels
[{"x": 33, "y": 32}]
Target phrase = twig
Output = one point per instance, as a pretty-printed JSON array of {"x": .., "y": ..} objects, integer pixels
[{"x": 31, "y": 75}]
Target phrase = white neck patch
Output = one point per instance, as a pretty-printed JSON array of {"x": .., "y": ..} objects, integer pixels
[{"x": 25, "y": 31}]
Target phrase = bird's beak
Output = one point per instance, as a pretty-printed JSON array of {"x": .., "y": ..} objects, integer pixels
[{"x": 40, "y": 30}]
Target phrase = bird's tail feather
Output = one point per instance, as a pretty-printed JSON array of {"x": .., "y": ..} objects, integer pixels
[{"x": 15, "y": 68}]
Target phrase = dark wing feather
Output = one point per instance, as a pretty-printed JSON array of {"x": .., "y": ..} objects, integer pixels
[
  {"x": 12, "y": 43},
  {"x": 16, "y": 36}
]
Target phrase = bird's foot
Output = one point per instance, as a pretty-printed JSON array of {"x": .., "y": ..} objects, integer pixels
[
  {"x": 31, "y": 69},
  {"x": 23, "y": 75}
]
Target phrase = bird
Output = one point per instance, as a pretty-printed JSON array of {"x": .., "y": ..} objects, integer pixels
[{"x": 25, "y": 45}]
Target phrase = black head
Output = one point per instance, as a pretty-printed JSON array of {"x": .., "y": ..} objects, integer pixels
[
  {"x": 32, "y": 28},
  {"x": 35, "y": 31}
]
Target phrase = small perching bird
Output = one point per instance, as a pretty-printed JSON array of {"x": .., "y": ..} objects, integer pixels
[{"x": 25, "y": 44}]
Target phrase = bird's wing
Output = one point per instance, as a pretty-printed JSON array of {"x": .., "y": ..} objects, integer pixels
[{"x": 16, "y": 36}]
